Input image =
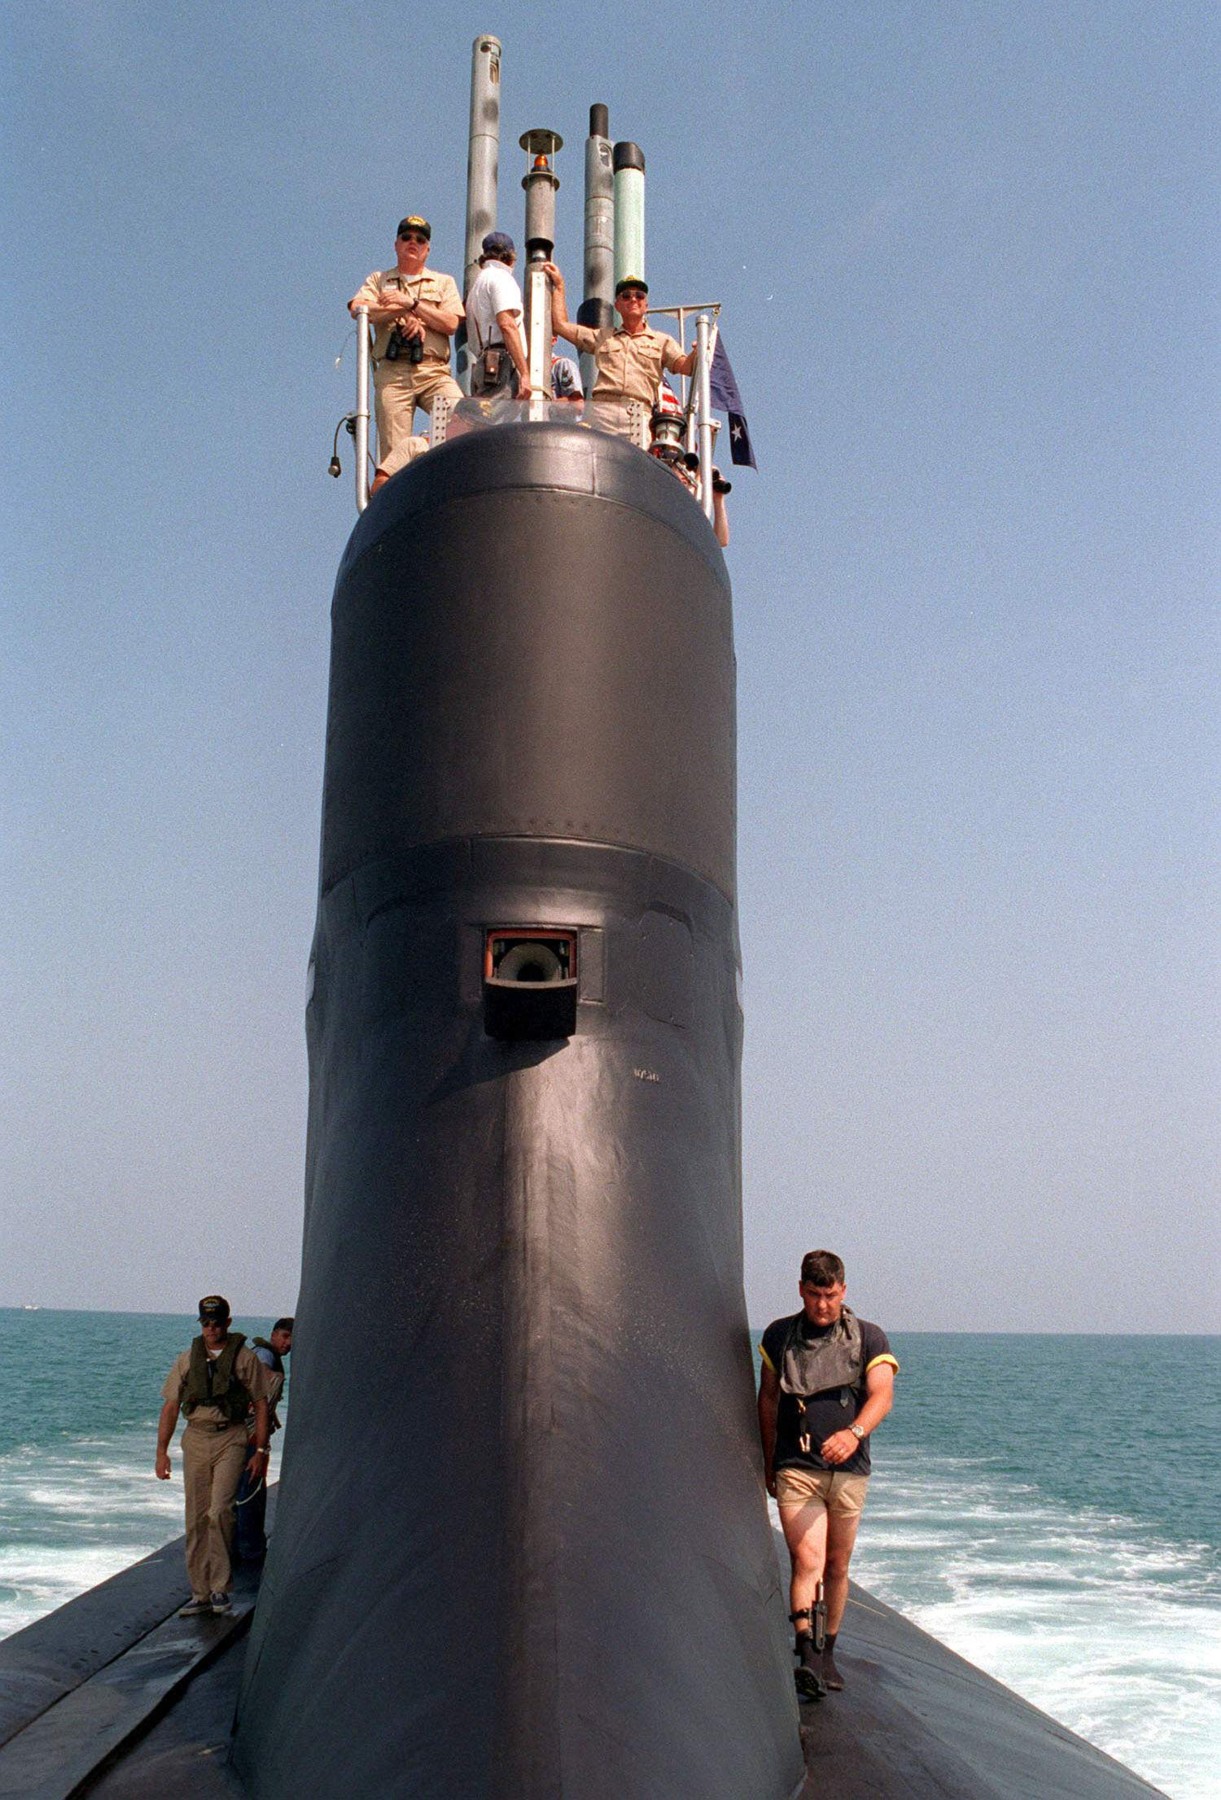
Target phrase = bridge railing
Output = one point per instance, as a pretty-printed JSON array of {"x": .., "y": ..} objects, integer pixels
[{"x": 632, "y": 419}]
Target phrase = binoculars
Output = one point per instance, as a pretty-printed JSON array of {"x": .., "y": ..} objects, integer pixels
[{"x": 401, "y": 345}]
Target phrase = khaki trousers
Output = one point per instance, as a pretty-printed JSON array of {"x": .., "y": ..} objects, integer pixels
[
  {"x": 622, "y": 418},
  {"x": 398, "y": 388},
  {"x": 211, "y": 1469}
]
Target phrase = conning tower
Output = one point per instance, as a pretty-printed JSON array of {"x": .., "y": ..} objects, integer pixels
[{"x": 522, "y": 1549}]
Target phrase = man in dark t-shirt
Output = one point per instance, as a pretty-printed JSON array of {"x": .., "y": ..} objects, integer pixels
[{"x": 827, "y": 1382}]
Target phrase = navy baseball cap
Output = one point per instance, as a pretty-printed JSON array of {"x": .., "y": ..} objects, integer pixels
[
  {"x": 499, "y": 243},
  {"x": 413, "y": 222},
  {"x": 213, "y": 1309}
]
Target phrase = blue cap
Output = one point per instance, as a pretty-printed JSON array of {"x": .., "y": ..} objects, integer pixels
[{"x": 499, "y": 243}]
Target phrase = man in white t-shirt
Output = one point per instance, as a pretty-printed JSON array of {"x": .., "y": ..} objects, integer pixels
[{"x": 494, "y": 313}]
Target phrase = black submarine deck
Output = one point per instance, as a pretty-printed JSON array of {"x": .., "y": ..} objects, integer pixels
[{"x": 114, "y": 1695}]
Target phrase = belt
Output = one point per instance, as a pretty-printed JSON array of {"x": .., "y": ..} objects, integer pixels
[{"x": 207, "y": 1425}]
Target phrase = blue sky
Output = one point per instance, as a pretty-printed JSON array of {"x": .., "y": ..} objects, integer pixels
[{"x": 968, "y": 255}]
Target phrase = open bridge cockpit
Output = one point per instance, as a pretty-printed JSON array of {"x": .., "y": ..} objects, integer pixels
[{"x": 674, "y": 424}]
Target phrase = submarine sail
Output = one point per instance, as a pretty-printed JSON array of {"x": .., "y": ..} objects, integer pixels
[{"x": 521, "y": 1547}]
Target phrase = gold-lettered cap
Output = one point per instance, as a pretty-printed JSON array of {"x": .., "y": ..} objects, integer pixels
[
  {"x": 213, "y": 1309},
  {"x": 413, "y": 222}
]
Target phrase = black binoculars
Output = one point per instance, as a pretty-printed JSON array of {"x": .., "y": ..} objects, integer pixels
[{"x": 401, "y": 345}]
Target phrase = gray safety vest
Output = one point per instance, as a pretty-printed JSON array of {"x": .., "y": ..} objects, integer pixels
[{"x": 811, "y": 1366}]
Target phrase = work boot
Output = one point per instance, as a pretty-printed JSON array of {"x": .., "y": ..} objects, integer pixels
[
  {"x": 809, "y": 1671},
  {"x": 195, "y": 1607},
  {"x": 220, "y": 1606},
  {"x": 831, "y": 1677}
]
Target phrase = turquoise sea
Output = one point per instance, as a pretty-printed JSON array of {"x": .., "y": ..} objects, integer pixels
[{"x": 1048, "y": 1506}]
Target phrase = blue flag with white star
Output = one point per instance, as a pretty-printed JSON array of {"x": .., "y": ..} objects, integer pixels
[{"x": 726, "y": 398}]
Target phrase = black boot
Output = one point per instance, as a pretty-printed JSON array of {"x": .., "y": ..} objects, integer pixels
[
  {"x": 831, "y": 1677},
  {"x": 809, "y": 1671}
]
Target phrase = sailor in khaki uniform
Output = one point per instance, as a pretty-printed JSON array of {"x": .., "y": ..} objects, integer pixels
[
  {"x": 414, "y": 311},
  {"x": 215, "y": 1383},
  {"x": 631, "y": 359}
]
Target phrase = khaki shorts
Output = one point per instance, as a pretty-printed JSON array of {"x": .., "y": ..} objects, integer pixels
[{"x": 838, "y": 1492}]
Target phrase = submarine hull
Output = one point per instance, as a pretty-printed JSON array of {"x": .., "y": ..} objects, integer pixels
[
  {"x": 523, "y": 1469},
  {"x": 92, "y": 1696}
]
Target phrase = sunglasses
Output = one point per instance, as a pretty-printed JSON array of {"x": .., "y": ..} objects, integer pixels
[
  {"x": 414, "y": 237},
  {"x": 632, "y": 294}
]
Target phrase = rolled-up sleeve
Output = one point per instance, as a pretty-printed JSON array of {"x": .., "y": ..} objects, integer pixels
[
  {"x": 585, "y": 337},
  {"x": 176, "y": 1380},
  {"x": 369, "y": 292}
]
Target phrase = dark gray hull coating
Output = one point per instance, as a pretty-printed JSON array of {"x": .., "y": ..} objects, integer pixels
[{"x": 522, "y": 1466}]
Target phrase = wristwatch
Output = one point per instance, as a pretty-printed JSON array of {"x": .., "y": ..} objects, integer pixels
[{"x": 858, "y": 1431}]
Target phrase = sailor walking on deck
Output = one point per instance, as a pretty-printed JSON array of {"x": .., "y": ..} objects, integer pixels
[
  {"x": 250, "y": 1533},
  {"x": 216, "y": 1383},
  {"x": 827, "y": 1383}
]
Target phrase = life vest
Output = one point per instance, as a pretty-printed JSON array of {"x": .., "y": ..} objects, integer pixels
[
  {"x": 812, "y": 1365},
  {"x": 278, "y": 1360},
  {"x": 211, "y": 1381}
]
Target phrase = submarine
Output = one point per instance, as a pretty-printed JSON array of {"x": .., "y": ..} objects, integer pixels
[{"x": 520, "y": 1549}]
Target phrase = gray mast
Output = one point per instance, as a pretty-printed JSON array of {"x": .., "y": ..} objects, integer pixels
[
  {"x": 597, "y": 307},
  {"x": 629, "y": 210},
  {"x": 482, "y": 169},
  {"x": 540, "y": 182}
]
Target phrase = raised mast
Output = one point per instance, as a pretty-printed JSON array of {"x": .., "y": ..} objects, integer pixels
[{"x": 482, "y": 168}]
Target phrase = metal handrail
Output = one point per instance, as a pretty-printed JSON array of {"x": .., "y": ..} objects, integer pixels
[
  {"x": 360, "y": 418},
  {"x": 704, "y": 427},
  {"x": 698, "y": 397},
  {"x": 538, "y": 348},
  {"x": 683, "y": 313}
]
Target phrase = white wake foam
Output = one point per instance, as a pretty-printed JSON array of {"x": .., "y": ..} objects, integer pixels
[{"x": 1093, "y": 1617}]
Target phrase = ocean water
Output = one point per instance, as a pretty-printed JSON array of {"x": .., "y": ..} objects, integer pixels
[
  {"x": 1050, "y": 1507},
  {"x": 78, "y": 1432},
  {"x": 1047, "y": 1506}
]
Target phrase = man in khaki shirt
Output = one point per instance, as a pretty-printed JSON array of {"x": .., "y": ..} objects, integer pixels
[
  {"x": 215, "y": 1382},
  {"x": 409, "y": 305},
  {"x": 631, "y": 359}
]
